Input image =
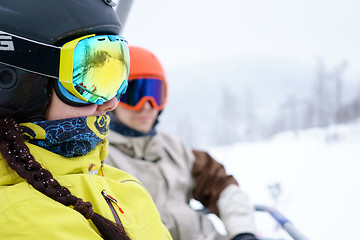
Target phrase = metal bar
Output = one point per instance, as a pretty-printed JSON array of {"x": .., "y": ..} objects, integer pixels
[
  {"x": 122, "y": 10},
  {"x": 283, "y": 221}
]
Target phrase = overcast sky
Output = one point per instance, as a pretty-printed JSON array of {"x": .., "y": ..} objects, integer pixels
[{"x": 180, "y": 32}]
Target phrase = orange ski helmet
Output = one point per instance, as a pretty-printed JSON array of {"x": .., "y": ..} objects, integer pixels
[
  {"x": 147, "y": 81},
  {"x": 144, "y": 64}
]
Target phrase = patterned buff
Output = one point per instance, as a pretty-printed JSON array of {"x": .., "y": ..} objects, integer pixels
[{"x": 68, "y": 137}]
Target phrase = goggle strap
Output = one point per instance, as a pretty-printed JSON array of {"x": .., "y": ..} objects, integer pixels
[
  {"x": 29, "y": 55},
  {"x": 141, "y": 102}
]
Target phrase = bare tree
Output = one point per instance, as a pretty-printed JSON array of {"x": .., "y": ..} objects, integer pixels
[
  {"x": 339, "y": 81},
  {"x": 227, "y": 129},
  {"x": 250, "y": 129}
]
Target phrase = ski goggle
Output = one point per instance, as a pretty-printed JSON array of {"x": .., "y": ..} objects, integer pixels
[
  {"x": 89, "y": 69},
  {"x": 142, "y": 90}
]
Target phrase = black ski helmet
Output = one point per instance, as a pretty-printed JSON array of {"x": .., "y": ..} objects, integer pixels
[{"x": 25, "y": 95}]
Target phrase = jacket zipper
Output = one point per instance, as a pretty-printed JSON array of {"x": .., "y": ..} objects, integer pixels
[{"x": 110, "y": 199}]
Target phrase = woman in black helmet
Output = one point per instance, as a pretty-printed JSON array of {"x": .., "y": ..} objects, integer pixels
[{"x": 62, "y": 67}]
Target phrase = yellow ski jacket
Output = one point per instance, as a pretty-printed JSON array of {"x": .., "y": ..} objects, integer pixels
[{"x": 26, "y": 213}]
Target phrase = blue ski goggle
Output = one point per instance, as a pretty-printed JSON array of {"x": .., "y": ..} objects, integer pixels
[
  {"x": 144, "y": 89},
  {"x": 89, "y": 70}
]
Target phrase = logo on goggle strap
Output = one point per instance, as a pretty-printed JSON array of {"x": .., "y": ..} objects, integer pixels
[{"x": 6, "y": 43}]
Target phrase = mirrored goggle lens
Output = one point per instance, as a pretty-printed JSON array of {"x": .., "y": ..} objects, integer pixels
[
  {"x": 101, "y": 65},
  {"x": 139, "y": 88}
]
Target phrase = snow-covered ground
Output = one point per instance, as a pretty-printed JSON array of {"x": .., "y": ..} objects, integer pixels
[{"x": 318, "y": 174}]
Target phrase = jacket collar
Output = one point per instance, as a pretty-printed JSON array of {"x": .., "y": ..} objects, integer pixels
[
  {"x": 124, "y": 130},
  {"x": 145, "y": 147},
  {"x": 58, "y": 165}
]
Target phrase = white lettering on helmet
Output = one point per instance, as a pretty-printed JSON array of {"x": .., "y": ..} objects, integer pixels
[{"x": 6, "y": 43}]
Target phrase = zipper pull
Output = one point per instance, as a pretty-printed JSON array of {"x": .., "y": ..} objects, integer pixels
[{"x": 108, "y": 197}]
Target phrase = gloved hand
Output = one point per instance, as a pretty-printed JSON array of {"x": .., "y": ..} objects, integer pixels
[{"x": 244, "y": 236}]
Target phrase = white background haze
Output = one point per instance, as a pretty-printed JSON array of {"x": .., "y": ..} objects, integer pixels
[{"x": 261, "y": 54}]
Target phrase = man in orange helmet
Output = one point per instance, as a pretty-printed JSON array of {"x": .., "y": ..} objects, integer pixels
[{"x": 172, "y": 172}]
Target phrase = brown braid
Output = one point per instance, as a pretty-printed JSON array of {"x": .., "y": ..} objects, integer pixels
[{"x": 19, "y": 158}]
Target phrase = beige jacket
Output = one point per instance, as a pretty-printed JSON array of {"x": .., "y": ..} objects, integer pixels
[{"x": 173, "y": 174}]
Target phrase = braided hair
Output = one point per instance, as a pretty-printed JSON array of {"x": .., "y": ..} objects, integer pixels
[{"x": 18, "y": 157}]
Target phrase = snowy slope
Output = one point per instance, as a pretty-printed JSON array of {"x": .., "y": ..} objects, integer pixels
[{"x": 318, "y": 172}]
